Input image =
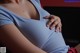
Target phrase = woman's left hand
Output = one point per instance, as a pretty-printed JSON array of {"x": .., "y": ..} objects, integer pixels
[{"x": 54, "y": 21}]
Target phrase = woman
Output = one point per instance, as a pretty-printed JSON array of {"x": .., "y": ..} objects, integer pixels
[{"x": 23, "y": 28}]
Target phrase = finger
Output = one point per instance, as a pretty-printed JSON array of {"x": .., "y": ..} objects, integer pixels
[
  {"x": 58, "y": 28},
  {"x": 47, "y": 17},
  {"x": 54, "y": 24},
  {"x": 50, "y": 22}
]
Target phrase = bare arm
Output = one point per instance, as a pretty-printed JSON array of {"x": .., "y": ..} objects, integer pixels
[{"x": 16, "y": 41}]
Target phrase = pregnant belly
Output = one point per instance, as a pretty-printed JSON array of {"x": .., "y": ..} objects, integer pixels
[
  {"x": 36, "y": 31},
  {"x": 40, "y": 35}
]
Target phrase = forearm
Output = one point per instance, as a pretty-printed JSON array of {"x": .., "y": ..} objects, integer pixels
[
  {"x": 23, "y": 46},
  {"x": 16, "y": 42}
]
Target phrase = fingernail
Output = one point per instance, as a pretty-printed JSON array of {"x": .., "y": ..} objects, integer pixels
[
  {"x": 59, "y": 30},
  {"x": 51, "y": 28},
  {"x": 47, "y": 25},
  {"x": 56, "y": 30},
  {"x": 43, "y": 17}
]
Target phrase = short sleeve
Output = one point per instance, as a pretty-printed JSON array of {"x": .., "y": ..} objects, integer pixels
[
  {"x": 5, "y": 20},
  {"x": 38, "y": 1},
  {"x": 44, "y": 12}
]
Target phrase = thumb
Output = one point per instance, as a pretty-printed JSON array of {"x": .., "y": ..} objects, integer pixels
[{"x": 47, "y": 17}]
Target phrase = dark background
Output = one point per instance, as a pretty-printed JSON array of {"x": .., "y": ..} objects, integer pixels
[
  {"x": 69, "y": 12},
  {"x": 59, "y": 3},
  {"x": 70, "y": 17}
]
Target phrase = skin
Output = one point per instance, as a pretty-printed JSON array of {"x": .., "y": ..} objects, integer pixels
[
  {"x": 54, "y": 21},
  {"x": 16, "y": 42},
  {"x": 10, "y": 34},
  {"x": 13, "y": 38}
]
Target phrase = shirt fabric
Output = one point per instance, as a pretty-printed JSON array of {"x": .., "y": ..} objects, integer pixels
[{"x": 36, "y": 30}]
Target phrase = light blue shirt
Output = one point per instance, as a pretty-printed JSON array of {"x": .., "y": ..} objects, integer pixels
[{"x": 36, "y": 30}]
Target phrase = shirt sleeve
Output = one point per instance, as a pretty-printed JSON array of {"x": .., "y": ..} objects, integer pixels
[
  {"x": 43, "y": 11},
  {"x": 5, "y": 20},
  {"x": 38, "y": 1}
]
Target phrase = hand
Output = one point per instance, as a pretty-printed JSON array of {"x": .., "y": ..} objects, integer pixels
[{"x": 54, "y": 21}]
